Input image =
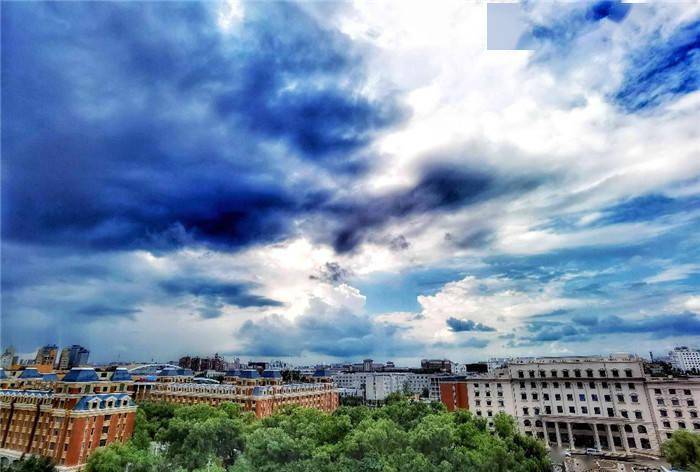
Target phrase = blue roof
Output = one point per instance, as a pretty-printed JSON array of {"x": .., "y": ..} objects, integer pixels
[
  {"x": 30, "y": 373},
  {"x": 257, "y": 391},
  {"x": 272, "y": 374},
  {"x": 3, "y": 375},
  {"x": 121, "y": 375},
  {"x": 50, "y": 377},
  {"x": 233, "y": 373},
  {"x": 102, "y": 398},
  {"x": 322, "y": 373},
  {"x": 81, "y": 374},
  {"x": 250, "y": 374},
  {"x": 172, "y": 372}
]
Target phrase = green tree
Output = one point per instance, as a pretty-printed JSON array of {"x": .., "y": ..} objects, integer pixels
[
  {"x": 32, "y": 464},
  {"x": 119, "y": 457},
  {"x": 683, "y": 450}
]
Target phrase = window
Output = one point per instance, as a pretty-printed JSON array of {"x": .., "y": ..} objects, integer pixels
[
  {"x": 615, "y": 373},
  {"x": 667, "y": 424},
  {"x": 663, "y": 413},
  {"x": 681, "y": 425},
  {"x": 672, "y": 391},
  {"x": 686, "y": 392},
  {"x": 555, "y": 384},
  {"x": 621, "y": 398},
  {"x": 526, "y": 411},
  {"x": 531, "y": 374},
  {"x": 537, "y": 411},
  {"x": 569, "y": 397},
  {"x": 657, "y": 391},
  {"x": 527, "y": 423},
  {"x": 477, "y": 403},
  {"x": 582, "y": 397},
  {"x": 500, "y": 403},
  {"x": 607, "y": 398},
  {"x": 628, "y": 372},
  {"x": 544, "y": 384},
  {"x": 660, "y": 401},
  {"x": 691, "y": 403},
  {"x": 490, "y": 413},
  {"x": 584, "y": 410},
  {"x": 567, "y": 384},
  {"x": 545, "y": 396},
  {"x": 560, "y": 409},
  {"x": 523, "y": 396},
  {"x": 548, "y": 410},
  {"x": 522, "y": 384},
  {"x": 596, "y": 410},
  {"x": 641, "y": 429},
  {"x": 624, "y": 414},
  {"x": 533, "y": 385},
  {"x": 521, "y": 374},
  {"x": 589, "y": 373},
  {"x": 565, "y": 373},
  {"x": 579, "y": 384},
  {"x": 696, "y": 425},
  {"x": 678, "y": 413},
  {"x": 604, "y": 385},
  {"x": 594, "y": 397},
  {"x": 693, "y": 414},
  {"x": 542, "y": 373},
  {"x": 591, "y": 384},
  {"x": 631, "y": 386},
  {"x": 674, "y": 402},
  {"x": 534, "y": 396},
  {"x": 638, "y": 414},
  {"x": 557, "y": 397},
  {"x": 577, "y": 373},
  {"x": 611, "y": 412},
  {"x": 634, "y": 398},
  {"x": 602, "y": 372},
  {"x": 618, "y": 386},
  {"x": 572, "y": 409}
]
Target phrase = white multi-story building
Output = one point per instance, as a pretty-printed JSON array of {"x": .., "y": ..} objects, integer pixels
[
  {"x": 376, "y": 386},
  {"x": 685, "y": 359},
  {"x": 580, "y": 402}
]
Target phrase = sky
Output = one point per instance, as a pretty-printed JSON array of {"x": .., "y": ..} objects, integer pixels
[{"x": 327, "y": 181}]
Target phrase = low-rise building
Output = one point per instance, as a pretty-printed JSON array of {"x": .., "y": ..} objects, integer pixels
[{"x": 685, "y": 359}]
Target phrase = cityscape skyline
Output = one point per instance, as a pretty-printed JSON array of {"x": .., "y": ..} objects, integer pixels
[{"x": 326, "y": 181}]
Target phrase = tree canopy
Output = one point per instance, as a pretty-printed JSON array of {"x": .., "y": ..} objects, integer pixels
[
  {"x": 402, "y": 436},
  {"x": 682, "y": 450}
]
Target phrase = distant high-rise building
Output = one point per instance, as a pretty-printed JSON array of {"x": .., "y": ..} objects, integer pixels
[
  {"x": 436, "y": 365},
  {"x": 685, "y": 359},
  {"x": 46, "y": 355},
  {"x": 8, "y": 355},
  {"x": 73, "y": 356},
  {"x": 367, "y": 365}
]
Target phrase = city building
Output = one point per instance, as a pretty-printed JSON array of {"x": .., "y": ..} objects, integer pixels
[
  {"x": 454, "y": 394},
  {"x": 46, "y": 355},
  {"x": 685, "y": 359},
  {"x": 436, "y": 365},
  {"x": 63, "y": 419},
  {"x": 199, "y": 364},
  {"x": 580, "y": 402},
  {"x": 8, "y": 358},
  {"x": 74, "y": 356},
  {"x": 374, "y": 387},
  {"x": 261, "y": 394}
]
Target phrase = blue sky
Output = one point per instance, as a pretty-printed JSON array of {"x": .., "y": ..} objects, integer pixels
[{"x": 331, "y": 181}]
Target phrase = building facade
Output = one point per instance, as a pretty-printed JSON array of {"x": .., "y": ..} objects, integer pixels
[
  {"x": 261, "y": 394},
  {"x": 579, "y": 402},
  {"x": 685, "y": 359},
  {"x": 64, "y": 420},
  {"x": 46, "y": 355},
  {"x": 74, "y": 356}
]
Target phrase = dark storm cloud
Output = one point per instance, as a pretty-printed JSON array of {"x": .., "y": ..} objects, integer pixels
[
  {"x": 98, "y": 310},
  {"x": 218, "y": 292},
  {"x": 586, "y": 327},
  {"x": 458, "y": 325},
  {"x": 141, "y": 126},
  {"x": 441, "y": 188},
  {"x": 333, "y": 273}
]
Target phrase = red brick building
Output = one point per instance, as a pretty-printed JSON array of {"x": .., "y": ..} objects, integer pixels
[
  {"x": 66, "y": 419},
  {"x": 454, "y": 394},
  {"x": 262, "y": 394}
]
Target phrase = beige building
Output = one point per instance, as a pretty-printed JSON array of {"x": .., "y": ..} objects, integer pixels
[{"x": 580, "y": 402}]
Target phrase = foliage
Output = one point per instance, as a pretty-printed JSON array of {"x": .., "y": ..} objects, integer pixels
[
  {"x": 682, "y": 450},
  {"x": 31, "y": 464},
  {"x": 401, "y": 436}
]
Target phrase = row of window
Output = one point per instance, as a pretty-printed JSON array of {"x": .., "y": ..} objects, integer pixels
[
  {"x": 580, "y": 385},
  {"x": 534, "y": 396},
  {"x": 576, "y": 373},
  {"x": 675, "y": 402},
  {"x": 678, "y": 413},
  {"x": 671, "y": 391}
]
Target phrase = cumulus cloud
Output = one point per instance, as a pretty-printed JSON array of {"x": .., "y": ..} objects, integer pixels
[{"x": 239, "y": 168}]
